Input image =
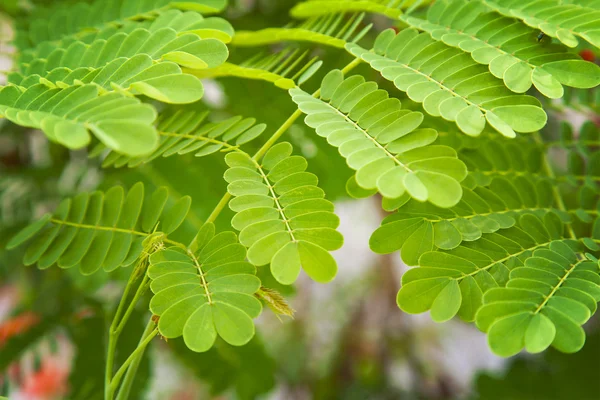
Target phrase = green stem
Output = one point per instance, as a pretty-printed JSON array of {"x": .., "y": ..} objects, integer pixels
[
  {"x": 141, "y": 289},
  {"x": 555, "y": 191},
  {"x": 217, "y": 210},
  {"x": 113, "y": 335},
  {"x": 138, "y": 352},
  {"x": 133, "y": 368},
  {"x": 113, "y": 229}
]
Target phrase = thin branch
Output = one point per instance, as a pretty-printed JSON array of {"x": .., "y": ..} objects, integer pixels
[{"x": 555, "y": 191}]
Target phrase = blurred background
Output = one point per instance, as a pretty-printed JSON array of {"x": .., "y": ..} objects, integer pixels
[{"x": 347, "y": 340}]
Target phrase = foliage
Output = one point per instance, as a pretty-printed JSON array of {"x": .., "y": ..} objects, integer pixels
[{"x": 458, "y": 139}]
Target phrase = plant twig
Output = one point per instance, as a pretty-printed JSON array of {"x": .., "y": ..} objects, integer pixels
[
  {"x": 138, "y": 352},
  {"x": 133, "y": 368},
  {"x": 555, "y": 191},
  {"x": 113, "y": 335}
]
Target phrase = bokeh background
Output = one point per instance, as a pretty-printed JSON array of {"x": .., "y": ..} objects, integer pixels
[{"x": 348, "y": 339}]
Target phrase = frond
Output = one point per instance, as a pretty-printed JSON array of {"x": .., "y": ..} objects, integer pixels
[
  {"x": 450, "y": 84},
  {"x": 481, "y": 210},
  {"x": 68, "y": 116},
  {"x": 582, "y": 154},
  {"x": 185, "y": 131},
  {"x": 389, "y": 8},
  {"x": 181, "y": 22},
  {"x": 445, "y": 277},
  {"x": 188, "y": 22},
  {"x": 382, "y": 141},
  {"x": 328, "y": 30},
  {"x": 75, "y": 20},
  {"x": 204, "y": 294},
  {"x": 563, "y": 20},
  {"x": 485, "y": 259},
  {"x": 141, "y": 62},
  {"x": 101, "y": 230},
  {"x": 512, "y": 51},
  {"x": 285, "y": 69},
  {"x": 544, "y": 303},
  {"x": 491, "y": 155},
  {"x": 282, "y": 215}
]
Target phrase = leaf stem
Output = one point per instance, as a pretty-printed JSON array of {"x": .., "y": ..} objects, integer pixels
[
  {"x": 141, "y": 289},
  {"x": 555, "y": 191},
  {"x": 113, "y": 335},
  {"x": 113, "y": 229},
  {"x": 217, "y": 210},
  {"x": 133, "y": 368},
  {"x": 138, "y": 353},
  {"x": 558, "y": 285}
]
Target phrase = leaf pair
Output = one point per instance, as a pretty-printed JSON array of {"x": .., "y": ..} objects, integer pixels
[
  {"x": 100, "y": 230},
  {"x": 381, "y": 141},
  {"x": 205, "y": 294},
  {"x": 282, "y": 215}
]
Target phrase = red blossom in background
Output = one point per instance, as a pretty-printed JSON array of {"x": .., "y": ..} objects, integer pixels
[
  {"x": 49, "y": 382},
  {"x": 17, "y": 326}
]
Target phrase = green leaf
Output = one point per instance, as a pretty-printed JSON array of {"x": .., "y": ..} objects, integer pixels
[
  {"x": 200, "y": 296},
  {"x": 419, "y": 242},
  {"x": 447, "y": 303},
  {"x": 28, "y": 232},
  {"x": 282, "y": 216},
  {"x": 382, "y": 142},
  {"x": 545, "y": 310},
  {"x": 575, "y": 73},
  {"x": 175, "y": 216},
  {"x": 457, "y": 87},
  {"x": 127, "y": 129},
  {"x": 506, "y": 336},
  {"x": 200, "y": 332},
  {"x": 518, "y": 77},
  {"x": 540, "y": 334},
  {"x": 99, "y": 230},
  {"x": 286, "y": 264},
  {"x": 547, "y": 83},
  {"x": 176, "y": 89},
  {"x": 419, "y": 296},
  {"x": 317, "y": 262}
]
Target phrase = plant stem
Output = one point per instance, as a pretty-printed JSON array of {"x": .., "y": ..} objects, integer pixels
[
  {"x": 132, "y": 370},
  {"x": 113, "y": 334},
  {"x": 131, "y": 307},
  {"x": 138, "y": 353},
  {"x": 217, "y": 210},
  {"x": 269, "y": 143},
  {"x": 555, "y": 191}
]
